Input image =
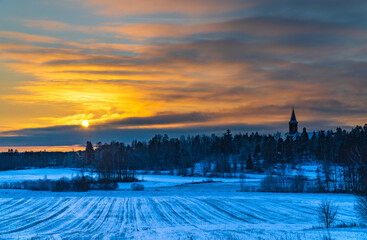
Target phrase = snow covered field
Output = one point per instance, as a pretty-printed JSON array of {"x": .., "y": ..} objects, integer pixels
[
  {"x": 199, "y": 211},
  {"x": 167, "y": 210},
  {"x": 149, "y": 181},
  {"x": 35, "y": 174}
]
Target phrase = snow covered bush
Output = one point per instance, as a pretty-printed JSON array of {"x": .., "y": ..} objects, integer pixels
[{"x": 137, "y": 187}]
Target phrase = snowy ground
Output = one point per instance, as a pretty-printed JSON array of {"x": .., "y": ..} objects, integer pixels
[
  {"x": 188, "y": 211},
  {"x": 149, "y": 181},
  {"x": 35, "y": 174},
  {"x": 170, "y": 214}
]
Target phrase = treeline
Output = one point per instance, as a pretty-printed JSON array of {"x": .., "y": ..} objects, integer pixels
[
  {"x": 342, "y": 154},
  {"x": 18, "y": 160}
]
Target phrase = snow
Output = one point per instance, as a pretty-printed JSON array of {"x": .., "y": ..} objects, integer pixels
[
  {"x": 169, "y": 208},
  {"x": 154, "y": 181},
  {"x": 149, "y": 180},
  {"x": 200, "y": 211},
  {"x": 35, "y": 174}
]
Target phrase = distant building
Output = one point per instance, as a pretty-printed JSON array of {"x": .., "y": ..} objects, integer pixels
[{"x": 293, "y": 124}]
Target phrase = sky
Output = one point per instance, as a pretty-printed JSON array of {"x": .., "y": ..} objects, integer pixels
[{"x": 135, "y": 68}]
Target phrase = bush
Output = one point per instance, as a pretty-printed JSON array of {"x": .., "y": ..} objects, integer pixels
[
  {"x": 61, "y": 185},
  {"x": 345, "y": 225},
  {"x": 129, "y": 179},
  {"x": 38, "y": 185},
  {"x": 298, "y": 183},
  {"x": 81, "y": 184},
  {"x": 271, "y": 184},
  {"x": 106, "y": 186},
  {"x": 361, "y": 206},
  {"x": 76, "y": 184},
  {"x": 4, "y": 185},
  {"x": 327, "y": 213},
  {"x": 242, "y": 184},
  {"x": 137, "y": 187},
  {"x": 15, "y": 185}
]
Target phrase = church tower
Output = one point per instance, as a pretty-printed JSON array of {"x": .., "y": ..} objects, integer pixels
[{"x": 293, "y": 124}]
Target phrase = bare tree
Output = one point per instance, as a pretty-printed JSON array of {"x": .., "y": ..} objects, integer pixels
[
  {"x": 361, "y": 206},
  {"x": 327, "y": 212}
]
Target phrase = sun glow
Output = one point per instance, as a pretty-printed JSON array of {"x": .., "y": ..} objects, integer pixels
[{"x": 85, "y": 123}]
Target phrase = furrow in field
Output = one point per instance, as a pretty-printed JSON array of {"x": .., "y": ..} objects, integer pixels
[
  {"x": 169, "y": 217},
  {"x": 5, "y": 201},
  {"x": 16, "y": 208},
  {"x": 202, "y": 211},
  {"x": 222, "y": 212},
  {"x": 99, "y": 216},
  {"x": 286, "y": 213},
  {"x": 32, "y": 224},
  {"x": 300, "y": 209},
  {"x": 14, "y": 205},
  {"x": 123, "y": 218},
  {"x": 31, "y": 209},
  {"x": 274, "y": 213},
  {"x": 168, "y": 212},
  {"x": 35, "y": 209},
  {"x": 240, "y": 208},
  {"x": 110, "y": 224},
  {"x": 162, "y": 219},
  {"x": 182, "y": 209},
  {"x": 195, "y": 207},
  {"x": 66, "y": 220},
  {"x": 174, "y": 213},
  {"x": 48, "y": 227},
  {"x": 75, "y": 221},
  {"x": 251, "y": 209},
  {"x": 142, "y": 215}
]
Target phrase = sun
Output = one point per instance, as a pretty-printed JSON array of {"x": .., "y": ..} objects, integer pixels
[{"x": 85, "y": 123}]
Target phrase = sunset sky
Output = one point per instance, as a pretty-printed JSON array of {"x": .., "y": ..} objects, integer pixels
[{"x": 134, "y": 68}]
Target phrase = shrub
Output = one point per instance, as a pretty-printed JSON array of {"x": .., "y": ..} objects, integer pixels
[
  {"x": 107, "y": 186},
  {"x": 242, "y": 184},
  {"x": 345, "y": 225},
  {"x": 129, "y": 179},
  {"x": 77, "y": 184},
  {"x": 80, "y": 184},
  {"x": 39, "y": 185},
  {"x": 298, "y": 183},
  {"x": 327, "y": 213},
  {"x": 61, "y": 185},
  {"x": 5, "y": 185},
  {"x": 271, "y": 184},
  {"x": 137, "y": 187},
  {"x": 361, "y": 206},
  {"x": 15, "y": 185}
]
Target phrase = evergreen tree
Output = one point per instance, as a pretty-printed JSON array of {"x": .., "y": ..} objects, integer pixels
[
  {"x": 249, "y": 163},
  {"x": 89, "y": 153}
]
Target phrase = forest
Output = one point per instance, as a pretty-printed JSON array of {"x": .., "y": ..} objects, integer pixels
[{"x": 341, "y": 155}]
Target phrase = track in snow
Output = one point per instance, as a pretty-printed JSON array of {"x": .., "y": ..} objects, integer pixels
[{"x": 172, "y": 217}]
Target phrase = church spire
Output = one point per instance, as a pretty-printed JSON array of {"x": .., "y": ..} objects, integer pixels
[
  {"x": 293, "y": 117},
  {"x": 293, "y": 124}
]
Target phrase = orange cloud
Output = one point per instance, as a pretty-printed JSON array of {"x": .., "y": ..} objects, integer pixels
[
  {"x": 187, "y": 7},
  {"x": 109, "y": 81},
  {"x": 31, "y": 38}
]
